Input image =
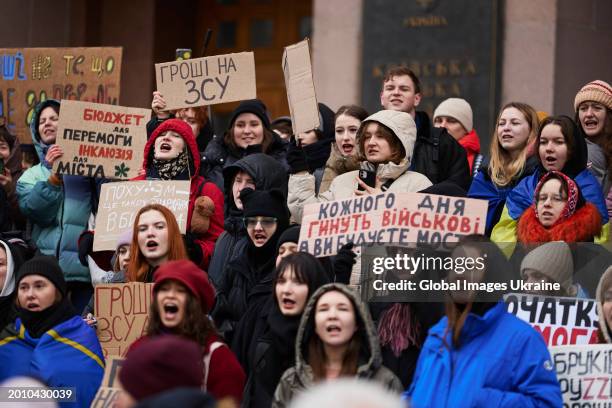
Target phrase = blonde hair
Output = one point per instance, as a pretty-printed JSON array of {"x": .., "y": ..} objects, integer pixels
[{"x": 503, "y": 168}]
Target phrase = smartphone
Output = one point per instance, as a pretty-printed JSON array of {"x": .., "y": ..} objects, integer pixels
[
  {"x": 183, "y": 54},
  {"x": 368, "y": 177}
]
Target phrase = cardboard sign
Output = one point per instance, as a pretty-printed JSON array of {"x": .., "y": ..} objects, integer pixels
[
  {"x": 207, "y": 81},
  {"x": 109, "y": 389},
  {"x": 122, "y": 311},
  {"x": 31, "y": 75},
  {"x": 102, "y": 141},
  {"x": 389, "y": 218},
  {"x": 584, "y": 374},
  {"x": 300, "y": 87},
  {"x": 560, "y": 320},
  {"x": 119, "y": 203}
]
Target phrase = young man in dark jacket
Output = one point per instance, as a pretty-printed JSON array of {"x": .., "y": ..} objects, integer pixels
[{"x": 436, "y": 154}]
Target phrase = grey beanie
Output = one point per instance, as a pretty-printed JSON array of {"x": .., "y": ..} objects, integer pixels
[{"x": 554, "y": 260}]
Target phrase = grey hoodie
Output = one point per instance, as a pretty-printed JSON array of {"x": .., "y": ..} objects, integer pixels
[
  {"x": 604, "y": 283},
  {"x": 301, "y": 377}
]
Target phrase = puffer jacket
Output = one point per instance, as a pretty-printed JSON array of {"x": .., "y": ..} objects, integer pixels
[
  {"x": 218, "y": 156},
  {"x": 439, "y": 157},
  {"x": 502, "y": 362},
  {"x": 267, "y": 173},
  {"x": 302, "y": 186},
  {"x": 58, "y": 211},
  {"x": 300, "y": 377},
  {"x": 199, "y": 187},
  {"x": 605, "y": 283}
]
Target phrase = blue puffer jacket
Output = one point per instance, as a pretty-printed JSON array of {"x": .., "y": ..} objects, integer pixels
[
  {"x": 502, "y": 362},
  {"x": 69, "y": 355},
  {"x": 58, "y": 213}
]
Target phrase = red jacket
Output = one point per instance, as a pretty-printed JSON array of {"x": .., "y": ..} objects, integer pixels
[
  {"x": 471, "y": 144},
  {"x": 199, "y": 187}
]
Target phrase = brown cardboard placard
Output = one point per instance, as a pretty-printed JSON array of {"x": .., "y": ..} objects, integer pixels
[
  {"x": 207, "y": 81},
  {"x": 120, "y": 201},
  {"x": 109, "y": 389},
  {"x": 389, "y": 217},
  {"x": 30, "y": 75},
  {"x": 102, "y": 141},
  {"x": 301, "y": 93},
  {"x": 122, "y": 311}
]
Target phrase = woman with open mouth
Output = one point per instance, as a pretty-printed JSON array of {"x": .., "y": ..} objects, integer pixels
[
  {"x": 511, "y": 159},
  {"x": 559, "y": 213},
  {"x": 49, "y": 340},
  {"x": 465, "y": 360},
  {"x": 248, "y": 133},
  {"x": 336, "y": 338},
  {"x": 182, "y": 300},
  {"x": 593, "y": 107},
  {"x": 561, "y": 147},
  {"x": 172, "y": 154},
  {"x": 265, "y": 340},
  {"x": 247, "y": 281},
  {"x": 385, "y": 142}
]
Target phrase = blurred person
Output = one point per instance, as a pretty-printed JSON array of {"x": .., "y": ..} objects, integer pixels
[{"x": 604, "y": 306}]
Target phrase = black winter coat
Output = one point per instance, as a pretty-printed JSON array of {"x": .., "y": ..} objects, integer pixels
[
  {"x": 441, "y": 158},
  {"x": 218, "y": 156}
]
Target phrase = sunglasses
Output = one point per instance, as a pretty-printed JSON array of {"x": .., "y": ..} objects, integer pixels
[{"x": 266, "y": 222}]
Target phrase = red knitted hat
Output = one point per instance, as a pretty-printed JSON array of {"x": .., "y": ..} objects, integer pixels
[
  {"x": 195, "y": 279},
  {"x": 176, "y": 125},
  {"x": 160, "y": 364}
]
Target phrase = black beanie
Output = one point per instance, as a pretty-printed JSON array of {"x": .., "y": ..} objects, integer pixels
[
  {"x": 291, "y": 234},
  {"x": 270, "y": 203},
  {"x": 327, "y": 124},
  {"x": 254, "y": 106},
  {"x": 46, "y": 266}
]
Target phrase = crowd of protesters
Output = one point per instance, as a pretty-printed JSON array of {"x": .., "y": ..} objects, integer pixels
[{"x": 240, "y": 317}]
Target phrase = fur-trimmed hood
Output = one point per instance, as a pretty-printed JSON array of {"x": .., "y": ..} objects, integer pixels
[
  {"x": 582, "y": 226},
  {"x": 604, "y": 283}
]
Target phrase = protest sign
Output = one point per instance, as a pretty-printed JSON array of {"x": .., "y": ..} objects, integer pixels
[
  {"x": 119, "y": 203},
  {"x": 560, "y": 320},
  {"x": 300, "y": 87},
  {"x": 109, "y": 389},
  {"x": 102, "y": 141},
  {"x": 389, "y": 218},
  {"x": 584, "y": 374},
  {"x": 122, "y": 311},
  {"x": 31, "y": 75},
  {"x": 207, "y": 81}
]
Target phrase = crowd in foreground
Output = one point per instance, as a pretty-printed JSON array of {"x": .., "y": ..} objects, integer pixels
[{"x": 240, "y": 317}]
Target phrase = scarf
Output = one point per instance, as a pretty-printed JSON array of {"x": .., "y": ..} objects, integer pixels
[
  {"x": 573, "y": 194},
  {"x": 284, "y": 331},
  {"x": 583, "y": 226},
  {"x": 317, "y": 154},
  {"x": 169, "y": 169},
  {"x": 38, "y": 323}
]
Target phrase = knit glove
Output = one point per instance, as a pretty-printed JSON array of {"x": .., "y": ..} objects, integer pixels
[
  {"x": 296, "y": 158},
  {"x": 193, "y": 248},
  {"x": 343, "y": 263}
]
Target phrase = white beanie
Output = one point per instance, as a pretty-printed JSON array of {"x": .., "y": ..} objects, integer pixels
[{"x": 456, "y": 108}]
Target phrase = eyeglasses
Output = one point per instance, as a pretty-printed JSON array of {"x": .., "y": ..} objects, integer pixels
[
  {"x": 266, "y": 222},
  {"x": 555, "y": 198}
]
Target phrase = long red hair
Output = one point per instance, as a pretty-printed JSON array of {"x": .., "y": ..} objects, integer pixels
[{"x": 138, "y": 266}]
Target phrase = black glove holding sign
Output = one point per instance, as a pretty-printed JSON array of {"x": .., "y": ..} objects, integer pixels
[
  {"x": 194, "y": 251},
  {"x": 296, "y": 158}
]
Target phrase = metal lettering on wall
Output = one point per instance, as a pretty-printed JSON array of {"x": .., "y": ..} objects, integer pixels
[{"x": 451, "y": 45}]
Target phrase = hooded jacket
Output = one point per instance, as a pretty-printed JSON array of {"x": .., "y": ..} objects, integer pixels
[
  {"x": 471, "y": 143},
  {"x": 14, "y": 259},
  {"x": 58, "y": 212},
  {"x": 605, "y": 283},
  {"x": 300, "y": 377},
  {"x": 218, "y": 155},
  {"x": 267, "y": 173},
  {"x": 302, "y": 186},
  {"x": 439, "y": 157},
  {"x": 502, "y": 362},
  {"x": 199, "y": 187},
  {"x": 69, "y": 355}
]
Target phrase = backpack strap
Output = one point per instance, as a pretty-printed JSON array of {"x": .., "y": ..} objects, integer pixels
[{"x": 215, "y": 345}]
